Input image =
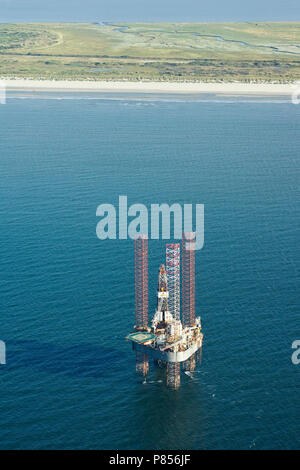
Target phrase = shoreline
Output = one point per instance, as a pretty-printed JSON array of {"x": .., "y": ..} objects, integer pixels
[{"x": 236, "y": 88}]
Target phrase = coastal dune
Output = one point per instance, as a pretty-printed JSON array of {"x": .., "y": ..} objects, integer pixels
[{"x": 234, "y": 88}]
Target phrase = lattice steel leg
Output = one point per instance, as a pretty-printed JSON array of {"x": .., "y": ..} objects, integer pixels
[
  {"x": 142, "y": 363},
  {"x": 141, "y": 282},
  {"x": 190, "y": 363},
  {"x": 173, "y": 374}
]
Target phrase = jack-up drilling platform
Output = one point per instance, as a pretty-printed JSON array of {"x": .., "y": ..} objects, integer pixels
[{"x": 170, "y": 340}]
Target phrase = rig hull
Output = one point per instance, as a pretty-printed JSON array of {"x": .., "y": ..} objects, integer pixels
[{"x": 168, "y": 356}]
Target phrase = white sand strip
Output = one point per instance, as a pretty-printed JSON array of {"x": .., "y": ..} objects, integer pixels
[{"x": 264, "y": 89}]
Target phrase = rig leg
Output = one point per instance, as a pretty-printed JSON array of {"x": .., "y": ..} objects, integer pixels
[
  {"x": 142, "y": 363},
  {"x": 199, "y": 356},
  {"x": 190, "y": 364},
  {"x": 173, "y": 375}
]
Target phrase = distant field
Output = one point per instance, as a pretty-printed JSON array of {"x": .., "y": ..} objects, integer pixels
[{"x": 152, "y": 51}]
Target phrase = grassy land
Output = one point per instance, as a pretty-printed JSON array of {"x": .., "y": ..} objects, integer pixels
[{"x": 152, "y": 51}]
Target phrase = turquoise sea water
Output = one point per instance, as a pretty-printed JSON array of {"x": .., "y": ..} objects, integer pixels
[{"x": 67, "y": 298}]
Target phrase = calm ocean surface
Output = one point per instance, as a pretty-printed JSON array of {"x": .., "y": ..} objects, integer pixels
[{"x": 67, "y": 298}]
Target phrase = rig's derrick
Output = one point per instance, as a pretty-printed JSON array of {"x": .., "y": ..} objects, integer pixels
[{"x": 162, "y": 290}]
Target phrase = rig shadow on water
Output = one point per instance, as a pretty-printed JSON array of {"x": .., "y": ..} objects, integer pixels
[{"x": 77, "y": 360}]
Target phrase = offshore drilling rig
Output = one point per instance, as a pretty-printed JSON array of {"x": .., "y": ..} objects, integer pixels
[{"x": 172, "y": 339}]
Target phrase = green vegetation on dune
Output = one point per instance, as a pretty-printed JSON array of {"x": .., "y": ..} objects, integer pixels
[{"x": 152, "y": 51}]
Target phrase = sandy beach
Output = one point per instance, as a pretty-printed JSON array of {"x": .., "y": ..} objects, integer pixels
[{"x": 235, "y": 88}]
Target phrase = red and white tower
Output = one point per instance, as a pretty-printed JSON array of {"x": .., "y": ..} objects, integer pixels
[
  {"x": 141, "y": 282},
  {"x": 188, "y": 279},
  {"x": 141, "y": 297},
  {"x": 188, "y": 288}
]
